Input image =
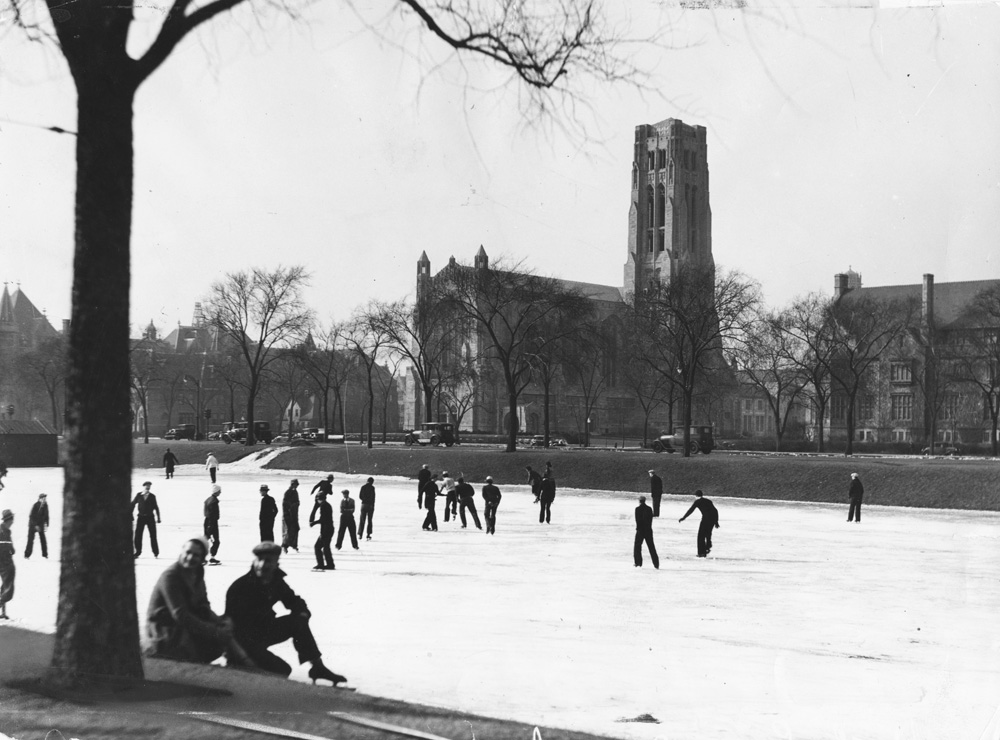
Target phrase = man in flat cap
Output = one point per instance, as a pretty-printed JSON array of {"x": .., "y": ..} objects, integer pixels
[
  {"x": 212, "y": 516},
  {"x": 655, "y": 490},
  {"x": 38, "y": 522},
  {"x": 148, "y": 515},
  {"x": 492, "y": 496},
  {"x": 7, "y": 570},
  {"x": 290, "y": 517},
  {"x": 250, "y": 604},
  {"x": 855, "y": 494},
  {"x": 347, "y": 523},
  {"x": 644, "y": 533},
  {"x": 268, "y": 513},
  {"x": 367, "y": 496}
]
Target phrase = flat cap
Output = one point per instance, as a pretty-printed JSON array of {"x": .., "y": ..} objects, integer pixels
[
  {"x": 489, "y": 478},
  {"x": 267, "y": 548},
  {"x": 7, "y": 514}
]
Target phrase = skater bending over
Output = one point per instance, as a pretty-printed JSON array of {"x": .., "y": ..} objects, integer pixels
[
  {"x": 250, "y": 604},
  {"x": 709, "y": 521}
]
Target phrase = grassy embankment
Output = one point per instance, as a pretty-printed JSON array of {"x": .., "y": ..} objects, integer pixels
[{"x": 906, "y": 481}]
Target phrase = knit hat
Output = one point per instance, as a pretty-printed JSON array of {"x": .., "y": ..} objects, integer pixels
[
  {"x": 201, "y": 541},
  {"x": 216, "y": 488}
]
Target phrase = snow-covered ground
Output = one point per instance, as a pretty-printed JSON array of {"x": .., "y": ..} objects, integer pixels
[{"x": 799, "y": 625}]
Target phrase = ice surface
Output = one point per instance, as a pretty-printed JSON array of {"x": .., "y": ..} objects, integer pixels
[{"x": 799, "y": 625}]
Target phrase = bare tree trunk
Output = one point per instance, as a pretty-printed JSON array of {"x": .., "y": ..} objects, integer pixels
[
  {"x": 512, "y": 428},
  {"x": 97, "y": 627}
]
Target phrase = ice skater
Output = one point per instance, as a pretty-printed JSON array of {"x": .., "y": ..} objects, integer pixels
[
  {"x": 169, "y": 462},
  {"x": 422, "y": 477},
  {"x": 467, "y": 500},
  {"x": 147, "y": 517},
  {"x": 211, "y": 465},
  {"x": 324, "y": 486},
  {"x": 290, "y": 517},
  {"x": 450, "y": 497},
  {"x": 855, "y": 494},
  {"x": 709, "y": 521},
  {"x": 548, "y": 495},
  {"x": 655, "y": 490},
  {"x": 644, "y": 533},
  {"x": 322, "y": 514},
  {"x": 250, "y": 605},
  {"x": 367, "y": 496},
  {"x": 7, "y": 569},
  {"x": 38, "y": 521},
  {"x": 347, "y": 523},
  {"x": 211, "y": 511},
  {"x": 492, "y": 496},
  {"x": 431, "y": 491},
  {"x": 535, "y": 481},
  {"x": 268, "y": 513}
]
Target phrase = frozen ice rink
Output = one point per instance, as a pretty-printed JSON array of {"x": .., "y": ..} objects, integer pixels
[{"x": 799, "y": 625}]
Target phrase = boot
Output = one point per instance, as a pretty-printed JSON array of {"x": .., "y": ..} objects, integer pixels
[{"x": 319, "y": 672}]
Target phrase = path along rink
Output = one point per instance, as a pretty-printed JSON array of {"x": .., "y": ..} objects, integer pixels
[{"x": 799, "y": 625}]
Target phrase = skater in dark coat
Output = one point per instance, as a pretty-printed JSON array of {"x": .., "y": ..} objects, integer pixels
[
  {"x": 7, "y": 569},
  {"x": 535, "y": 481},
  {"x": 250, "y": 605},
  {"x": 147, "y": 517},
  {"x": 322, "y": 514},
  {"x": 467, "y": 500},
  {"x": 367, "y": 496},
  {"x": 422, "y": 477},
  {"x": 855, "y": 494},
  {"x": 709, "y": 521},
  {"x": 268, "y": 513},
  {"x": 492, "y": 496},
  {"x": 347, "y": 523},
  {"x": 655, "y": 490},
  {"x": 212, "y": 516},
  {"x": 290, "y": 517},
  {"x": 644, "y": 533},
  {"x": 169, "y": 461},
  {"x": 180, "y": 623},
  {"x": 548, "y": 495},
  {"x": 38, "y": 520},
  {"x": 324, "y": 486},
  {"x": 431, "y": 491}
]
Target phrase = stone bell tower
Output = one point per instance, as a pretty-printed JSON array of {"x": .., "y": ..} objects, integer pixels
[{"x": 669, "y": 219}]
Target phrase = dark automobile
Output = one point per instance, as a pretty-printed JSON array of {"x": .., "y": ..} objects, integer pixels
[
  {"x": 181, "y": 431},
  {"x": 432, "y": 433},
  {"x": 236, "y": 431},
  {"x": 702, "y": 440}
]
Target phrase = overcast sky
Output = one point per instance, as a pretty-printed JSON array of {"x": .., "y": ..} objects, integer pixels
[{"x": 837, "y": 138}]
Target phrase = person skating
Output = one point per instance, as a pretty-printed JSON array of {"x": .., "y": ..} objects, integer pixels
[
  {"x": 38, "y": 521},
  {"x": 169, "y": 462},
  {"x": 467, "y": 500},
  {"x": 492, "y": 496},
  {"x": 431, "y": 491},
  {"x": 290, "y": 517},
  {"x": 268, "y": 513},
  {"x": 655, "y": 490},
  {"x": 644, "y": 533},
  {"x": 854, "y": 495},
  {"x": 211, "y": 530},
  {"x": 147, "y": 517},
  {"x": 422, "y": 477},
  {"x": 535, "y": 481},
  {"x": 450, "y": 496},
  {"x": 250, "y": 604},
  {"x": 322, "y": 514},
  {"x": 548, "y": 495},
  {"x": 347, "y": 523},
  {"x": 7, "y": 569},
  {"x": 324, "y": 486},
  {"x": 180, "y": 623},
  {"x": 709, "y": 521},
  {"x": 367, "y": 496},
  {"x": 3, "y": 473},
  {"x": 211, "y": 465}
]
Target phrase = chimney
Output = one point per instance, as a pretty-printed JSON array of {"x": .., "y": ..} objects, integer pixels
[
  {"x": 839, "y": 285},
  {"x": 927, "y": 301}
]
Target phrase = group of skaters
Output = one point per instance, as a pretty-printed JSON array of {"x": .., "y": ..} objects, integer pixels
[{"x": 460, "y": 499}]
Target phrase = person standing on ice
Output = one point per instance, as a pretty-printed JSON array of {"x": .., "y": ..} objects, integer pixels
[
  {"x": 367, "y": 497},
  {"x": 855, "y": 494},
  {"x": 38, "y": 522},
  {"x": 431, "y": 491},
  {"x": 268, "y": 513},
  {"x": 322, "y": 514},
  {"x": 492, "y": 496},
  {"x": 211, "y": 510},
  {"x": 655, "y": 490},
  {"x": 147, "y": 518},
  {"x": 7, "y": 569},
  {"x": 535, "y": 481},
  {"x": 211, "y": 465},
  {"x": 548, "y": 495},
  {"x": 644, "y": 533},
  {"x": 347, "y": 523},
  {"x": 422, "y": 477},
  {"x": 290, "y": 517},
  {"x": 467, "y": 500},
  {"x": 169, "y": 461},
  {"x": 709, "y": 521},
  {"x": 450, "y": 497}
]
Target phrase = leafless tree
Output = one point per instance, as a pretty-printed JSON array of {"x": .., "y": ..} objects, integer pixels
[
  {"x": 511, "y": 309},
  {"x": 368, "y": 342},
  {"x": 46, "y": 364},
  {"x": 287, "y": 376},
  {"x": 147, "y": 361},
  {"x": 582, "y": 356},
  {"x": 328, "y": 364},
  {"x": 688, "y": 320},
  {"x": 977, "y": 353},
  {"x": 260, "y": 312}
]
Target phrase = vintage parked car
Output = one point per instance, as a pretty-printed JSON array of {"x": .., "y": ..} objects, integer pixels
[
  {"x": 943, "y": 448},
  {"x": 236, "y": 431},
  {"x": 539, "y": 441},
  {"x": 702, "y": 440},
  {"x": 432, "y": 433},
  {"x": 181, "y": 431}
]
